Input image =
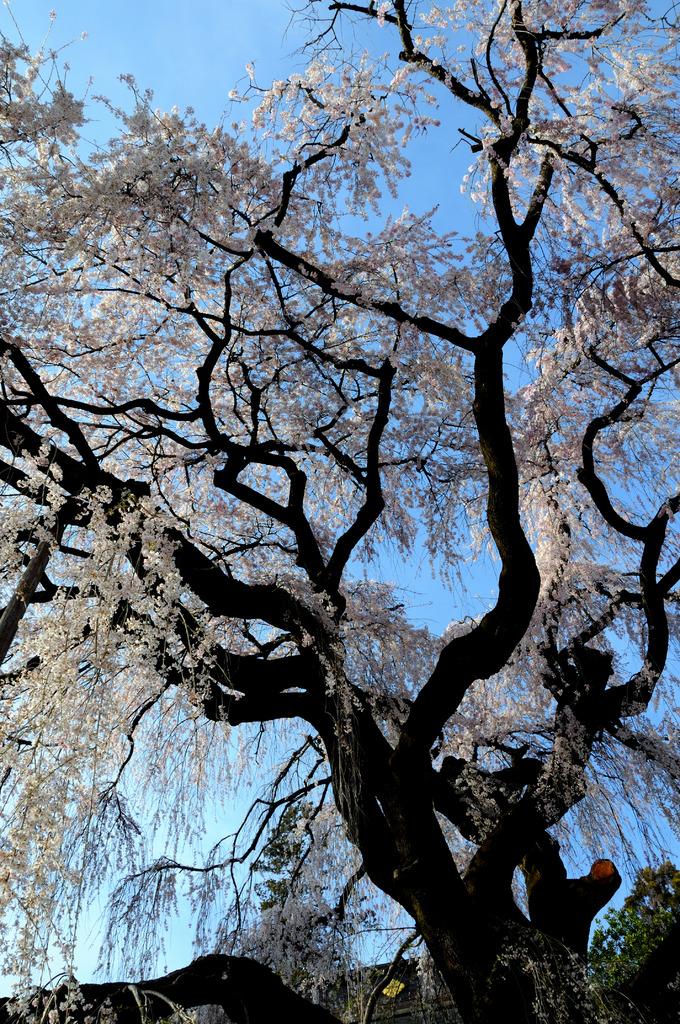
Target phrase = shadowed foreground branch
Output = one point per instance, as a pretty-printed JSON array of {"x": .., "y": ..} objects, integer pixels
[{"x": 248, "y": 992}]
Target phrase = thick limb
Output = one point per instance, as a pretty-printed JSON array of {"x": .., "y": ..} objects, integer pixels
[
  {"x": 248, "y": 992},
  {"x": 565, "y": 907}
]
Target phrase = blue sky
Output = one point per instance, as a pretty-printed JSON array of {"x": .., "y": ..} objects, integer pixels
[{"x": 190, "y": 54}]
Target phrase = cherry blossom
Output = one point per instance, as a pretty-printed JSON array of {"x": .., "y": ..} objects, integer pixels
[{"x": 241, "y": 364}]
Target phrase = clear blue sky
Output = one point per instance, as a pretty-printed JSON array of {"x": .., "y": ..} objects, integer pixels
[{"x": 191, "y": 54}]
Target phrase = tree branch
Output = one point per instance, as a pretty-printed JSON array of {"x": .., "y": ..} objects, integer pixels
[
  {"x": 565, "y": 907},
  {"x": 248, "y": 992},
  {"x": 267, "y": 243}
]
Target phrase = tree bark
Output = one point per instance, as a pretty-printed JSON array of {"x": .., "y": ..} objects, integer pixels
[
  {"x": 19, "y": 601},
  {"x": 248, "y": 992},
  {"x": 655, "y": 986},
  {"x": 565, "y": 907}
]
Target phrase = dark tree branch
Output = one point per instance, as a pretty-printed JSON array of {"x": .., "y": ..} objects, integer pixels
[
  {"x": 248, "y": 992},
  {"x": 589, "y": 164},
  {"x": 486, "y": 648},
  {"x": 374, "y": 502},
  {"x": 587, "y": 474},
  {"x": 291, "y": 176},
  {"x": 51, "y": 406},
  {"x": 227, "y": 596},
  {"x": 565, "y": 907},
  {"x": 21, "y": 598},
  {"x": 655, "y": 986},
  {"x": 386, "y": 978},
  {"x": 302, "y": 266},
  {"x": 411, "y": 55}
]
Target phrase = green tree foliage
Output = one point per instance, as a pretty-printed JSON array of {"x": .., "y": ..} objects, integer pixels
[
  {"x": 626, "y": 938},
  {"x": 281, "y": 858}
]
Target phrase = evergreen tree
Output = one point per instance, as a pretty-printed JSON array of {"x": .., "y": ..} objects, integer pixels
[{"x": 627, "y": 937}]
